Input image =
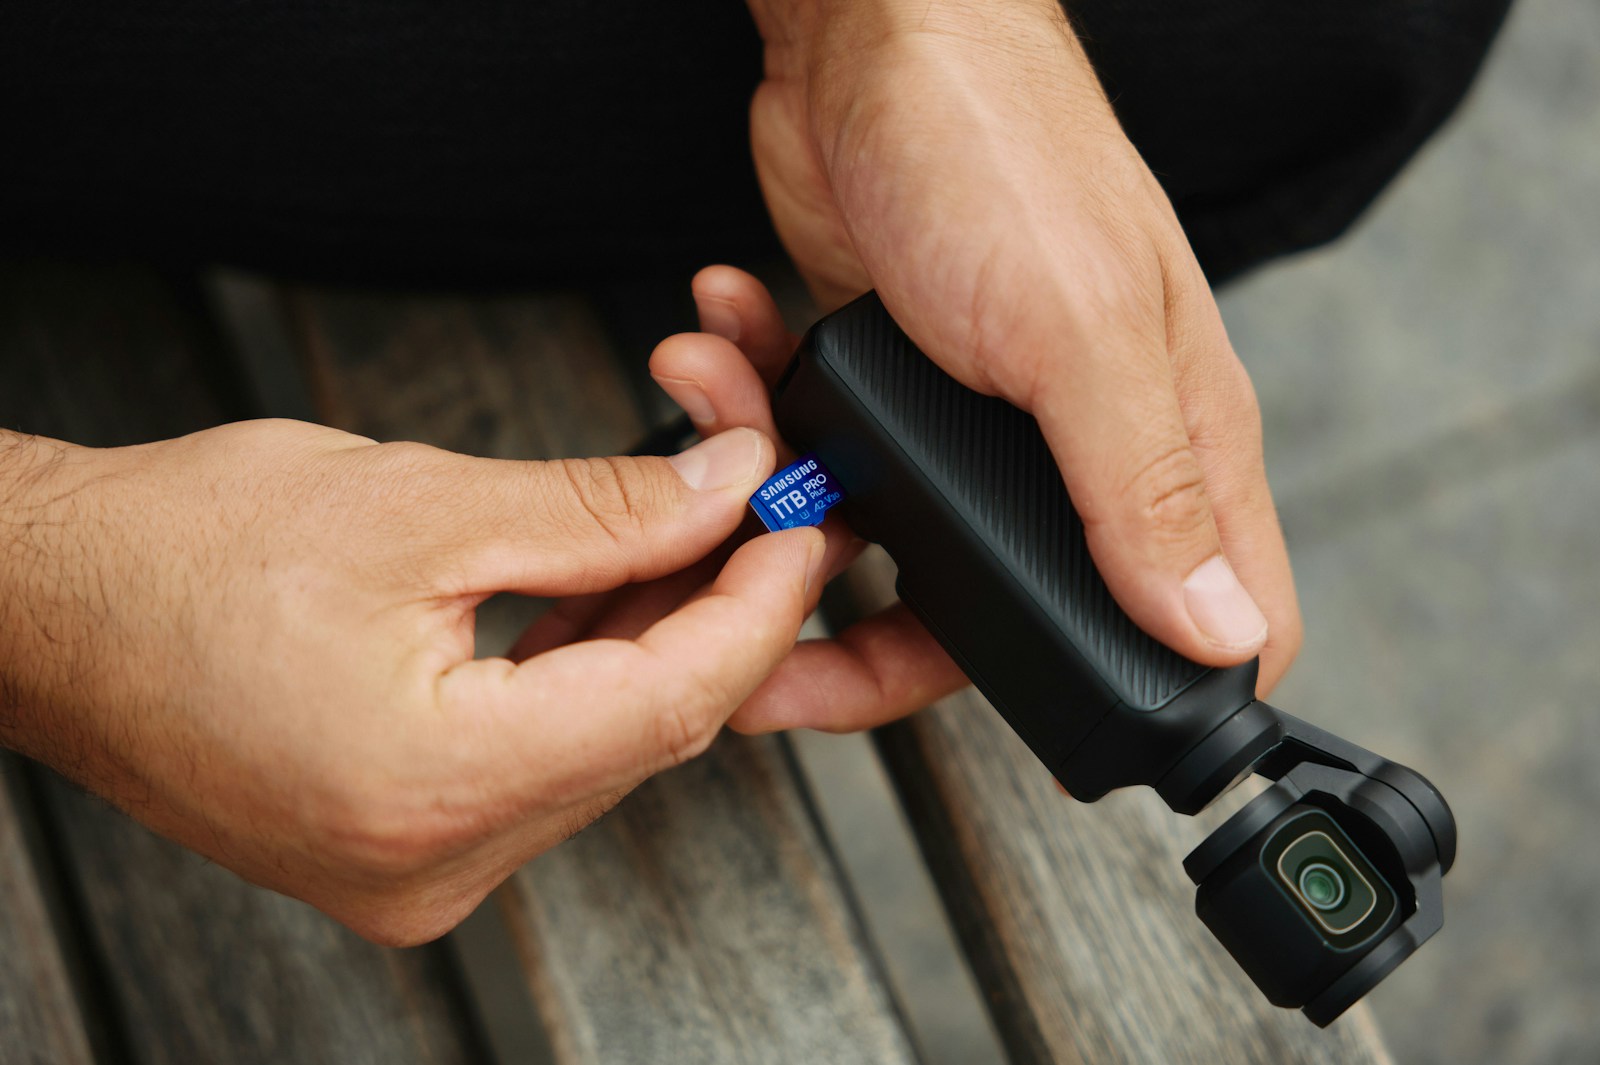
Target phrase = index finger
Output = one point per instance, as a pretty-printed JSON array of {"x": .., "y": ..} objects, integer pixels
[
  {"x": 737, "y": 307},
  {"x": 605, "y": 714}
]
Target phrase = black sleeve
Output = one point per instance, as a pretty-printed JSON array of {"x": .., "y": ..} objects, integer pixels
[{"x": 555, "y": 141}]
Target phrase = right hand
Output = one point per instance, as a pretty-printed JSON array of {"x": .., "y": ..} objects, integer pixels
[
  {"x": 886, "y": 665},
  {"x": 963, "y": 160},
  {"x": 258, "y": 640}
]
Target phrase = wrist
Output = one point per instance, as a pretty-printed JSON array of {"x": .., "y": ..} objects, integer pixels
[
  {"x": 806, "y": 34},
  {"x": 840, "y": 54},
  {"x": 42, "y": 578}
]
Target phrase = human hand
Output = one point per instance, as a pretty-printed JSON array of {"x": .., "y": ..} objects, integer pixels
[
  {"x": 258, "y": 640},
  {"x": 962, "y": 159},
  {"x": 874, "y": 671},
  {"x": 878, "y": 669}
]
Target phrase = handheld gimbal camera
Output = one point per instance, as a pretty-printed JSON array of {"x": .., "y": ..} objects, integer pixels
[{"x": 1319, "y": 886}]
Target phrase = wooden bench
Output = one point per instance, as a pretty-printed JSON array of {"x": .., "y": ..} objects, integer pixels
[{"x": 710, "y": 918}]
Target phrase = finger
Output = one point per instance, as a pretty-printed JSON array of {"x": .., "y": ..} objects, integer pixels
[
  {"x": 627, "y": 612},
  {"x": 604, "y": 714},
  {"x": 837, "y": 553},
  {"x": 620, "y": 614},
  {"x": 577, "y": 526},
  {"x": 1102, "y": 387},
  {"x": 709, "y": 374},
  {"x": 737, "y": 307},
  {"x": 1224, "y": 424},
  {"x": 715, "y": 384},
  {"x": 876, "y": 671},
  {"x": 567, "y": 621},
  {"x": 1142, "y": 494}
]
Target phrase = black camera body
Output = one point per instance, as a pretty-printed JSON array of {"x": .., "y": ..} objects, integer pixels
[{"x": 1318, "y": 887}]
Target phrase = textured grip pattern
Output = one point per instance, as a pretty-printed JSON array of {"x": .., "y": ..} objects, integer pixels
[{"x": 991, "y": 463}]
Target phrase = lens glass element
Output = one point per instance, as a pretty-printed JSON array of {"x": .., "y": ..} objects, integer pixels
[
  {"x": 1322, "y": 876},
  {"x": 1321, "y": 885},
  {"x": 1326, "y": 879}
]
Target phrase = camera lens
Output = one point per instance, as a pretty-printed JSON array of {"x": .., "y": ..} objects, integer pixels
[
  {"x": 1324, "y": 872},
  {"x": 1322, "y": 886}
]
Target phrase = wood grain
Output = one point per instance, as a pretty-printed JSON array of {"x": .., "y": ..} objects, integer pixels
[
  {"x": 40, "y": 1023},
  {"x": 208, "y": 968},
  {"x": 1078, "y": 919},
  {"x": 199, "y": 966},
  {"x": 508, "y": 376},
  {"x": 703, "y": 920}
]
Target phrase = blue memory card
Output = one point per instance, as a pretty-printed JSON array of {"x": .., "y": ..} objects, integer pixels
[{"x": 799, "y": 494}]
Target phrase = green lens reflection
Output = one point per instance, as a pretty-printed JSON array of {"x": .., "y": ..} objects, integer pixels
[{"x": 1322, "y": 885}]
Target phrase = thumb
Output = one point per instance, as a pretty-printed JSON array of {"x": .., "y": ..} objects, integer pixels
[
  {"x": 1138, "y": 482},
  {"x": 576, "y": 526},
  {"x": 1155, "y": 539}
]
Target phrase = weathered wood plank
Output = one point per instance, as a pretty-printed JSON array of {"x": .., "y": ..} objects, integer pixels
[
  {"x": 503, "y": 376},
  {"x": 703, "y": 920},
  {"x": 202, "y": 966},
  {"x": 208, "y": 968},
  {"x": 700, "y": 922},
  {"x": 1078, "y": 918},
  {"x": 40, "y": 1023}
]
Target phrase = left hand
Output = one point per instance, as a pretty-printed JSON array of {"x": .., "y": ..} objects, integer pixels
[{"x": 258, "y": 640}]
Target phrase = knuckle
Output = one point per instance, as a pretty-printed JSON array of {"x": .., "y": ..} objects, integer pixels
[
  {"x": 1236, "y": 394},
  {"x": 611, "y": 495},
  {"x": 683, "y": 732},
  {"x": 1167, "y": 495},
  {"x": 399, "y": 475},
  {"x": 406, "y": 454},
  {"x": 1231, "y": 422},
  {"x": 1238, "y": 389},
  {"x": 264, "y": 432}
]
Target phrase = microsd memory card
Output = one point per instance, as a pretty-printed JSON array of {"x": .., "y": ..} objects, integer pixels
[{"x": 799, "y": 494}]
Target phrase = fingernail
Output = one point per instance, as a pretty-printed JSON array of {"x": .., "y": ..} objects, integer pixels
[
  {"x": 724, "y": 460},
  {"x": 689, "y": 396},
  {"x": 1222, "y": 610},
  {"x": 718, "y": 316},
  {"x": 819, "y": 555}
]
